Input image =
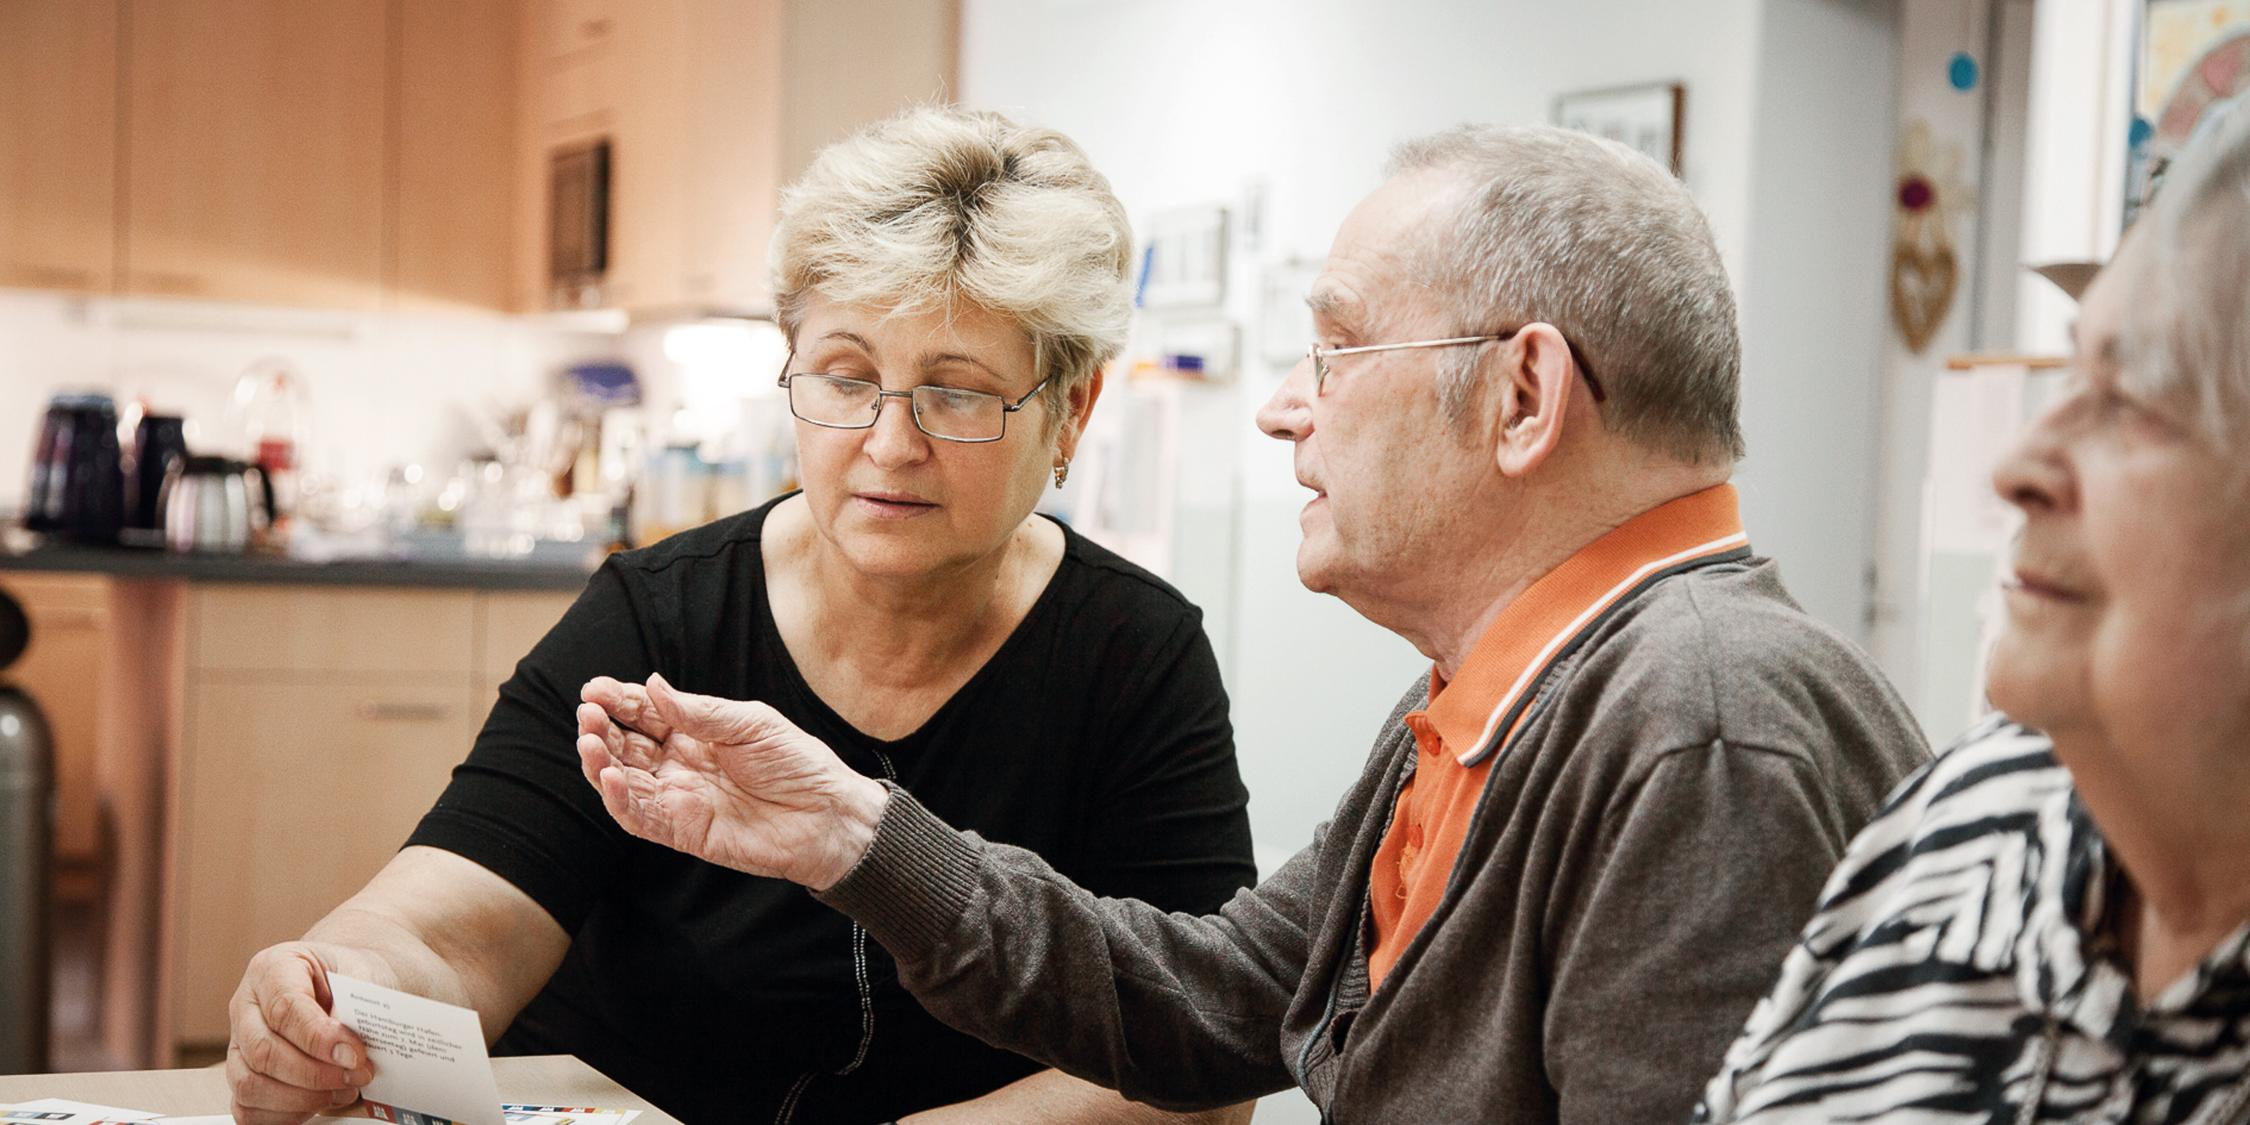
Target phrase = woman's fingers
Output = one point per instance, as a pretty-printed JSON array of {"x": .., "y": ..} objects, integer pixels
[
  {"x": 630, "y": 798},
  {"x": 627, "y": 705},
  {"x": 593, "y": 722},
  {"x": 707, "y": 717},
  {"x": 593, "y": 757},
  {"x": 626, "y": 746}
]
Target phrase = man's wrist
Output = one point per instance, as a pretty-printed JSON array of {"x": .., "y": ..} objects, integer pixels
[{"x": 859, "y": 808}]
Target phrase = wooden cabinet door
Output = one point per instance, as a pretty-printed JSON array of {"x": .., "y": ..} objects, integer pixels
[
  {"x": 294, "y": 630},
  {"x": 254, "y": 150},
  {"x": 293, "y": 795},
  {"x": 565, "y": 28},
  {"x": 58, "y": 144},
  {"x": 733, "y": 184},
  {"x": 850, "y": 63},
  {"x": 649, "y": 147},
  {"x": 456, "y": 99},
  {"x": 62, "y": 672}
]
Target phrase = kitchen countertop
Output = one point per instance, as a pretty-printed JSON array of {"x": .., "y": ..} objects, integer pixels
[{"x": 125, "y": 562}]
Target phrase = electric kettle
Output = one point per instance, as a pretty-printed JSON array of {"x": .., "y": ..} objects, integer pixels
[{"x": 77, "y": 473}]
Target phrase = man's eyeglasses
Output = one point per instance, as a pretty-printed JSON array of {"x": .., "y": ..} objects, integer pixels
[
  {"x": 1320, "y": 356},
  {"x": 841, "y": 402}
]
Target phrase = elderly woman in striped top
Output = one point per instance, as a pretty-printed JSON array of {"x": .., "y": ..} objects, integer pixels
[{"x": 2050, "y": 922}]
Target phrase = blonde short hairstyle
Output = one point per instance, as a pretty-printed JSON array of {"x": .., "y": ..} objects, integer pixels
[{"x": 941, "y": 205}]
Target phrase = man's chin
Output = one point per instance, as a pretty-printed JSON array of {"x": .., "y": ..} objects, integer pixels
[{"x": 1314, "y": 571}]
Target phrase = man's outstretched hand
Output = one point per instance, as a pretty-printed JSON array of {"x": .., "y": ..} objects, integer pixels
[{"x": 733, "y": 783}]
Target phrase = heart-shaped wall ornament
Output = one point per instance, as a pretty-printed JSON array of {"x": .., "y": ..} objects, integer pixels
[
  {"x": 1922, "y": 285},
  {"x": 1924, "y": 271}
]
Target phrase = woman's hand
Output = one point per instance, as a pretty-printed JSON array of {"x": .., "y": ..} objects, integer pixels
[
  {"x": 287, "y": 1058},
  {"x": 728, "y": 782}
]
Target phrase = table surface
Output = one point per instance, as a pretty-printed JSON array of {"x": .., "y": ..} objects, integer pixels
[{"x": 537, "y": 1080}]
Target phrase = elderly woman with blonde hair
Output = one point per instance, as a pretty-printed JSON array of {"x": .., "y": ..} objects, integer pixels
[
  {"x": 2052, "y": 921},
  {"x": 951, "y": 284}
]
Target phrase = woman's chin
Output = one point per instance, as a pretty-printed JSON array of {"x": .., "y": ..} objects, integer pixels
[
  {"x": 2029, "y": 682},
  {"x": 890, "y": 552}
]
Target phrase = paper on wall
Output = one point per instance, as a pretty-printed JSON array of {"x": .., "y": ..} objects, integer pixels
[{"x": 429, "y": 1059}]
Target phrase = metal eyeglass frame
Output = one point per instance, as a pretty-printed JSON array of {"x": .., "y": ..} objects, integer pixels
[
  {"x": 913, "y": 411},
  {"x": 1319, "y": 356}
]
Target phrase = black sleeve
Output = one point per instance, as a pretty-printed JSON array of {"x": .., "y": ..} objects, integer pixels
[
  {"x": 1170, "y": 824},
  {"x": 519, "y": 806}
]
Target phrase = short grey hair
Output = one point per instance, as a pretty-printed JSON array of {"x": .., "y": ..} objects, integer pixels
[
  {"x": 941, "y": 205},
  {"x": 2186, "y": 336},
  {"x": 1607, "y": 246}
]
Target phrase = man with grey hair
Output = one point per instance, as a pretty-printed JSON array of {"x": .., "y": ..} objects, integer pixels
[{"x": 1580, "y": 845}]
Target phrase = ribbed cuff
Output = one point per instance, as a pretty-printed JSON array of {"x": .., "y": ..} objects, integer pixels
[{"x": 914, "y": 883}]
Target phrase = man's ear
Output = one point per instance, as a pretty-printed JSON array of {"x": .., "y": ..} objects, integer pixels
[
  {"x": 1078, "y": 407},
  {"x": 1535, "y": 381}
]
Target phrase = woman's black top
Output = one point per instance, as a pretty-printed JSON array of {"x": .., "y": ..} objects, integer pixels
[{"x": 1096, "y": 736}]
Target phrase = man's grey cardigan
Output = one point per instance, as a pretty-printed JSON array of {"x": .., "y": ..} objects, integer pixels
[{"x": 1645, "y": 851}]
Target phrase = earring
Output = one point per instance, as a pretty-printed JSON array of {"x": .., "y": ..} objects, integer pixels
[{"x": 1062, "y": 473}]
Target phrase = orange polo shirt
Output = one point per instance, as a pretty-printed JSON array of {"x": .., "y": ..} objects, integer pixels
[{"x": 1459, "y": 735}]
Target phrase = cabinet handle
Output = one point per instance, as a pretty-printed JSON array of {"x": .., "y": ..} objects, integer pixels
[
  {"x": 154, "y": 281},
  {"x": 53, "y": 618},
  {"x": 402, "y": 712},
  {"x": 34, "y": 276}
]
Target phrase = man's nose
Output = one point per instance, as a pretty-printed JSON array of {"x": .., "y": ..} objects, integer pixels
[{"x": 1288, "y": 414}]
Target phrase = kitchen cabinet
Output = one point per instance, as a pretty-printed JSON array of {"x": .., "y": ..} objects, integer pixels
[
  {"x": 63, "y": 671},
  {"x": 565, "y": 29},
  {"x": 455, "y": 101},
  {"x": 347, "y": 154},
  {"x": 254, "y": 150},
  {"x": 318, "y": 725},
  {"x": 710, "y": 106},
  {"x": 363, "y": 154},
  {"x": 58, "y": 82},
  {"x": 294, "y": 794}
]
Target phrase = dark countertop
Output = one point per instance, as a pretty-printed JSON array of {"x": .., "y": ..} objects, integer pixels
[{"x": 479, "y": 574}]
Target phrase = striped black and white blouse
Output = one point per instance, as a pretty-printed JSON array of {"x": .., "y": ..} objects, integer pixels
[{"x": 1951, "y": 974}]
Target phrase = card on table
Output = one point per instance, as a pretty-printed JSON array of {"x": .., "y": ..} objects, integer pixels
[
  {"x": 430, "y": 1064},
  {"x": 62, "y": 1111}
]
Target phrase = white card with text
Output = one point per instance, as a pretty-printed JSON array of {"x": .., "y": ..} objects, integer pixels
[{"x": 430, "y": 1065}]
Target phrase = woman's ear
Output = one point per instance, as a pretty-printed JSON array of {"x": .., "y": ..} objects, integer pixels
[
  {"x": 1078, "y": 407},
  {"x": 1534, "y": 390}
]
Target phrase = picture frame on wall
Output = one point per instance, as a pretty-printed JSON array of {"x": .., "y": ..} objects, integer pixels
[
  {"x": 1184, "y": 263},
  {"x": 2193, "y": 69},
  {"x": 1649, "y": 117}
]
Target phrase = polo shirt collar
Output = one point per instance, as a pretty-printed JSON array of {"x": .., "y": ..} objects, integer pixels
[{"x": 1491, "y": 689}]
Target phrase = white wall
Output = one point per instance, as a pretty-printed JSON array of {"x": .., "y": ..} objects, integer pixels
[
  {"x": 1813, "y": 294},
  {"x": 383, "y": 390},
  {"x": 1931, "y": 656}
]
